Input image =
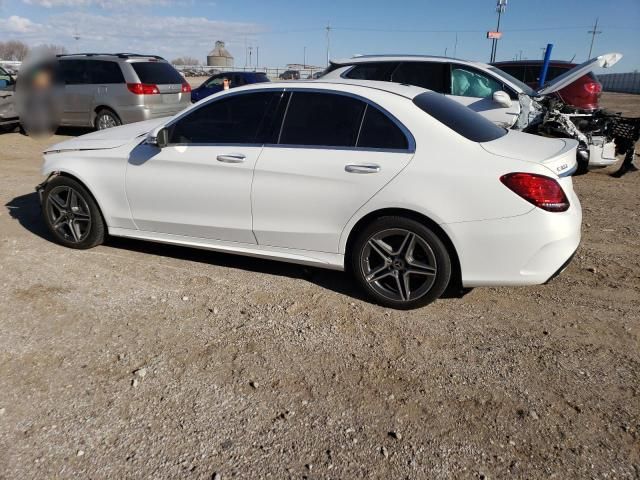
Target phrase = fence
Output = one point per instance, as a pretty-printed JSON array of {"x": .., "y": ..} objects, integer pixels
[
  {"x": 620, "y": 82},
  {"x": 272, "y": 73}
]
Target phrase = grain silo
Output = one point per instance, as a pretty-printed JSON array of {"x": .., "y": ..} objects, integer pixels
[{"x": 219, "y": 56}]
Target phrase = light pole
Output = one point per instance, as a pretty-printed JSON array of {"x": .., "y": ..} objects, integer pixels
[
  {"x": 304, "y": 58},
  {"x": 328, "y": 42},
  {"x": 501, "y": 6}
]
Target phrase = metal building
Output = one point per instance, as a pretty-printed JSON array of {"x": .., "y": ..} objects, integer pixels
[{"x": 219, "y": 56}]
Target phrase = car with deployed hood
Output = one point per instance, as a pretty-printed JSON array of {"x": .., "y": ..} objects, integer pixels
[
  {"x": 499, "y": 97},
  {"x": 404, "y": 188}
]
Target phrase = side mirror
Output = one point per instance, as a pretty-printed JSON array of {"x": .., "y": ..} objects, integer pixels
[
  {"x": 158, "y": 137},
  {"x": 502, "y": 99}
]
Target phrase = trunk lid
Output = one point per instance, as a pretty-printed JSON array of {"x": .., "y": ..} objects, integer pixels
[
  {"x": 602, "y": 61},
  {"x": 556, "y": 154}
]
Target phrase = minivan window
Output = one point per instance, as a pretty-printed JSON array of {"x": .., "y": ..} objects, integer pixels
[
  {"x": 322, "y": 119},
  {"x": 104, "y": 71},
  {"x": 429, "y": 75},
  {"x": 159, "y": 73},
  {"x": 458, "y": 118},
  {"x": 372, "y": 71},
  {"x": 237, "y": 119},
  {"x": 74, "y": 72},
  {"x": 379, "y": 131}
]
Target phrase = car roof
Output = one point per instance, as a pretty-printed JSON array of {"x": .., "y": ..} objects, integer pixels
[
  {"x": 402, "y": 58},
  {"x": 564, "y": 63},
  {"x": 401, "y": 89},
  {"x": 123, "y": 56}
]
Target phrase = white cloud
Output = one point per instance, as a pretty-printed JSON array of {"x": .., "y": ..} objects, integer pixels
[
  {"x": 167, "y": 36},
  {"x": 108, "y": 4},
  {"x": 17, "y": 25}
]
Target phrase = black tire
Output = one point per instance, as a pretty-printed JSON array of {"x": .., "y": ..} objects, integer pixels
[
  {"x": 370, "y": 258},
  {"x": 66, "y": 204},
  {"x": 106, "y": 118}
]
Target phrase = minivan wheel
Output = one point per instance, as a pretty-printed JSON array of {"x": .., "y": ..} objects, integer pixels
[
  {"x": 400, "y": 263},
  {"x": 71, "y": 214},
  {"x": 106, "y": 119}
]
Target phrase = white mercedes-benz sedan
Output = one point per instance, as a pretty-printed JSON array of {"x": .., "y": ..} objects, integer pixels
[{"x": 403, "y": 187}]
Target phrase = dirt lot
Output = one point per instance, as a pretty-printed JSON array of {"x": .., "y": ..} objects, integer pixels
[{"x": 255, "y": 369}]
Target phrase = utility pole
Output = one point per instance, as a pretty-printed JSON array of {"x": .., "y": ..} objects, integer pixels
[
  {"x": 501, "y": 6},
  {"x": 250, "y": 52},
  {"x": 257, "y": 56},
  {"x": 593, "y": 33},
  {"x": 328, "y": 42},
  {"x": 304, "y": 58},
  {"x": 455, "y": 47},
  {"x": 543, "y": 49}
]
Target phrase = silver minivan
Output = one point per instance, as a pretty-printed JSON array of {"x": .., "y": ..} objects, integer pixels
[{"x": 105, "y": 90}]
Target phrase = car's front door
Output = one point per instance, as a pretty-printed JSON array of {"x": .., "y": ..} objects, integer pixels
[
  {"x": 334, "y": 153},
  {"x": 7, "y": 104},
  {"x": 475, "y": 89},
  {"x": 200, "y": 184}
]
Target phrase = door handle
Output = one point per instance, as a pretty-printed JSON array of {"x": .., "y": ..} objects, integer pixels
[
  {"x": 231, "y": 158},
  {"x": 362, "y": 168}
]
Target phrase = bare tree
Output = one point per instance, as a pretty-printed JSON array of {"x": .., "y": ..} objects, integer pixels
[
  {"x": 13, "y": 50},
  {"x": 53, "y": 49},
  {"x": 185, "y": 61}
]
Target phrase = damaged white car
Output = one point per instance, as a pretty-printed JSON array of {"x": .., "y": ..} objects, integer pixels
[{"x": 505, "y": 100}]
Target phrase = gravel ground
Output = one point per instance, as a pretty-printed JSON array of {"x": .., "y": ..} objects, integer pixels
[{"x": 135, "y": 360}]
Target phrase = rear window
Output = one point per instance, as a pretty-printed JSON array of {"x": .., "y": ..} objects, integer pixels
[
  {"x": 156, "y": 72},
  {"x": 458, "y": 118},
  {"x": 261, "y": 77}
]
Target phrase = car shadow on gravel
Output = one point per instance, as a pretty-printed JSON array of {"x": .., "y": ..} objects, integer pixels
[{"x": 26, "y": 209}]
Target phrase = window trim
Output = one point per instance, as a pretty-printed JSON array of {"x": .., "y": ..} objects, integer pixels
[{"x": 411, "y": 142}]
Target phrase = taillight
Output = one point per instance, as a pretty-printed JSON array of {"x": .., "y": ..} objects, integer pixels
[
  {"x": 543, "y": 192},
  {"x": 593, "y": 87},
  {"x": 143, "y": 88},
  {"x": 186, "y": 88}
]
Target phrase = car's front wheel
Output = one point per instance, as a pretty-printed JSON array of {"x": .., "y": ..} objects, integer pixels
[
  {"x": 71, "y": 214},
  {"x": 400, "y": 263}
]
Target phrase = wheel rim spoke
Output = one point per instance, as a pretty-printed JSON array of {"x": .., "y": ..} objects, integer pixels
[{"x": 399, "y": 264}]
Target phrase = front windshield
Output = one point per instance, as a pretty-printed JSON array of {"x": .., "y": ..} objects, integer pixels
[{"x": 526, "y": 89}]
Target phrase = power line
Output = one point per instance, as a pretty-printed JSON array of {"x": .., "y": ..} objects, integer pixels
[{"x": 593, "y": 33}]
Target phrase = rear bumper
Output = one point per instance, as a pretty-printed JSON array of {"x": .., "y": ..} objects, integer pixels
[
  {"x": 524, "y": 250},
  {"x": 139, "y": 113}
]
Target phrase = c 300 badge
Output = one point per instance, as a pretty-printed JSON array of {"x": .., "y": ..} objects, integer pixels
[{"x": 562, "y": 167}]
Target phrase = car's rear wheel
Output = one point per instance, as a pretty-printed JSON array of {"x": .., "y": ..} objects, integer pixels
[
  {"x": 106, "y": 118},
  {"x": 400, "y": 263},
  {"x": 71, "y": 214}
]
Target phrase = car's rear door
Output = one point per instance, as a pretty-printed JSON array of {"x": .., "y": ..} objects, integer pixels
[
  {"x": 334, "y": 152},
  {"x": 474, "y": 89},
  {"x": 200, "y": 184}
]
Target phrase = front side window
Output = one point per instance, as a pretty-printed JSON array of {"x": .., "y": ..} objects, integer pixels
[
  {"x": 466, "y": 82},
  {"x": 214, "y": 81},
  {"x": 237, "y": 119},
  {"x": 429, "y": 75},
  {"x": 322, "y": 119}
]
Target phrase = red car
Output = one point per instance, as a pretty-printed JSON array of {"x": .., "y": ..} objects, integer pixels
[{"x": 584, "y": 93}]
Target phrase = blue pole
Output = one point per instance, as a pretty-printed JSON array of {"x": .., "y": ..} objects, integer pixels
[{"x": 545, "y": 64}]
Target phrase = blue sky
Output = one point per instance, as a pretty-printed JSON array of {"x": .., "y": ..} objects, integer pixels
[{"x": 282, "y": 28}]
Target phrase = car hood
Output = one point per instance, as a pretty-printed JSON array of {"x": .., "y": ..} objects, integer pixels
[
  {"x": 109, "y": 138},
  {"x": 603, "y": 61}
]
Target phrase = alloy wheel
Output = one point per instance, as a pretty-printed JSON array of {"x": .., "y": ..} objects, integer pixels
[
  {"x": 398, "y": 264},
  {"x": 106, "y": 121},
  {"x": 69, "y": 214}
]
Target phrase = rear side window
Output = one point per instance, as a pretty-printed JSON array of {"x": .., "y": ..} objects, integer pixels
[
  {"x": 322, "y": 119},
  {"x": 74, "y": 72},
  {"x": 466, "y": 82},
  {"x": 104, "y": 72},
  {"x": 160, "y": 73},
  {"x": 458, "y": 118},
  {"x": 379, "y": 131},
  {"x": 261, "y": 77},
  {"x": 372, "y": 71},
  {"x": 429, "y": 75},
  {"x": 238, "y": 119}
]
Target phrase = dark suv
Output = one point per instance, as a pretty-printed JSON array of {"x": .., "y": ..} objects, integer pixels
[
  {"x": 584, "y": 93},
  {"x": 214, "y": 84}
]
